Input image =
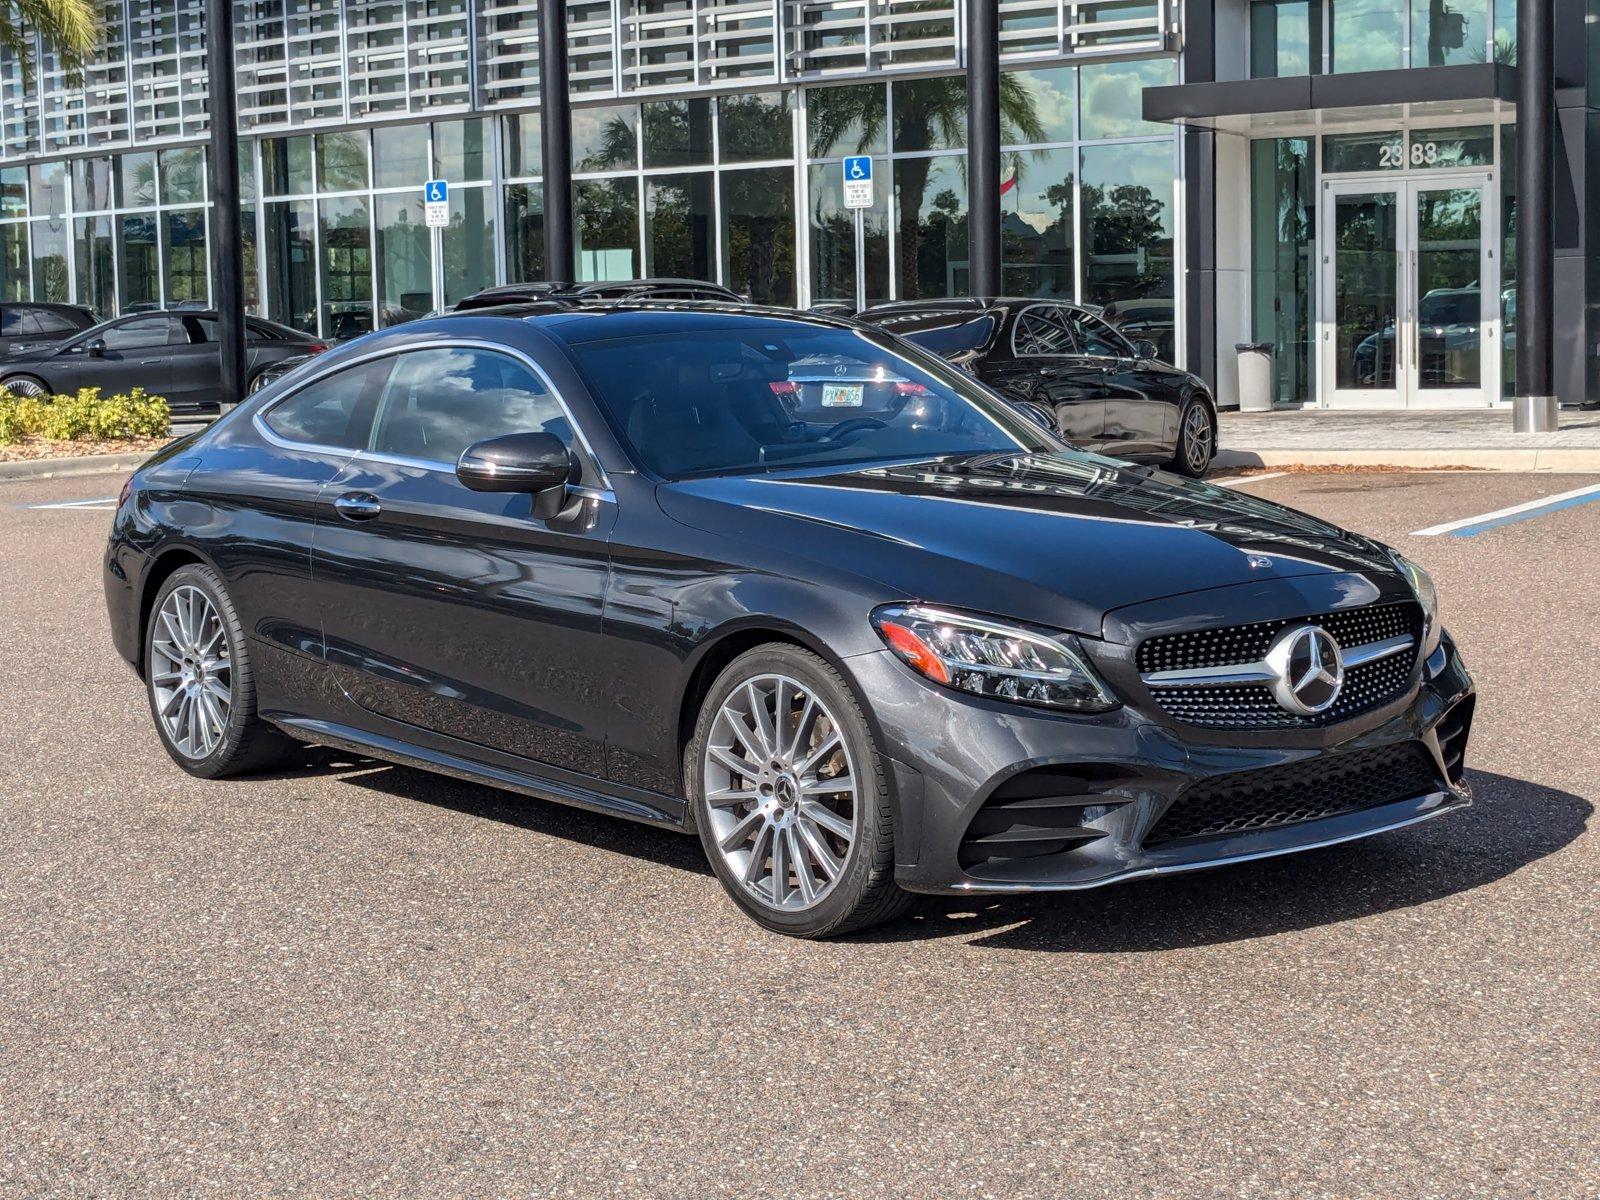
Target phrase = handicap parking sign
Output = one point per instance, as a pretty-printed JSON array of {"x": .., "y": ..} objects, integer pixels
[
  {"x": 858, "y": 181},
  {"x": 436, "y": 202}
]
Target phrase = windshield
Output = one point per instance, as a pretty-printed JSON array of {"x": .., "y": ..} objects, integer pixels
[{"x": 767, "y": 395}]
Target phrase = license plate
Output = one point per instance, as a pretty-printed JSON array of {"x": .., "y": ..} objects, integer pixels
[{"x": 841, "y": 395}]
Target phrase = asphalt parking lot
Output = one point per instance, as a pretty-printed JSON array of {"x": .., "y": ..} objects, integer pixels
[{"x": 356, "y": 979}]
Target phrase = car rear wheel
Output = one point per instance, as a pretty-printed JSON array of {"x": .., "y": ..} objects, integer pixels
[
  {"x": 198, "y": 676},
  {"x": 791, "y": 798},
  {"x": 25, "y": 386},
  {"x": 1197, "y": 439}
]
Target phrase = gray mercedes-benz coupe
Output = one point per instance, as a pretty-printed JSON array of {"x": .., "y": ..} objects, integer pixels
[{"x": 789, "y": 583}]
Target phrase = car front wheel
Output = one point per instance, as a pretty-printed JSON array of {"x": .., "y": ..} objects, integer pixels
[
  {"x": 791, "y": 798},
  {"x": 198, "y": 676},
  {"x": 1197, "y": 439}
]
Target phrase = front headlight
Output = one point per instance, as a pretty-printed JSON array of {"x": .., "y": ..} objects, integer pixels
[
  {"x": 1427, "y": 595},
  {"x": 987, "y": 658}
]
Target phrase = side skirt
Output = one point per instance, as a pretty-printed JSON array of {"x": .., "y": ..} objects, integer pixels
[{"x": 646, "y": 807}]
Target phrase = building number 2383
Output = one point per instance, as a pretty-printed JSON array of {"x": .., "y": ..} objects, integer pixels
[{"x": 1393, "y": 154}]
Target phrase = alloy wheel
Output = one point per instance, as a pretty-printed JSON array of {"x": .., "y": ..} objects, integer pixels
[
  {"x": 26, "y": 389},
  {"x": 781, "y": 792},
  {"x": 1197, "y": 438},
  {"x": 190, "y": 675}
]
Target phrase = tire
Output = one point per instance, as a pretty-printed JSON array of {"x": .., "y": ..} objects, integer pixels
[
  {"x": 1197, "y": 439},
  {"x": 189, "y": 662},
  {"x": 861, "y": 890},
  {"x": 27, "y": 387}
]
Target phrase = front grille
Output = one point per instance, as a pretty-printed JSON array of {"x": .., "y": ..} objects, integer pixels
[
  {"x": 1302, "y": 791},
  {"x": 1233, "y": 644},
  {"x": 1251, "y": 705}
]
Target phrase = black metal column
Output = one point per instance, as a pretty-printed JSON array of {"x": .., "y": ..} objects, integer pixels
[
  {"x": 227, "y": 234},
  {"x": 1534, "y": 408},
  {"x": 555, "y": 115},
  {"x": 983, "y": 147}
]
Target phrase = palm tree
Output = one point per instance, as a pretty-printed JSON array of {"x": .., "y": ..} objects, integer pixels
[
  {"x": 927, "y": 112},
  {"x": 70, "y": 27}
]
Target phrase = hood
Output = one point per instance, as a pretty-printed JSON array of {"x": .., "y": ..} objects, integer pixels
[{"x": 1059, "y": 539}]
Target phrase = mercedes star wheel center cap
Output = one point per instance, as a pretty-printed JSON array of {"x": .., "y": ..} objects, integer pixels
[{"x": 1308, "y": 670}]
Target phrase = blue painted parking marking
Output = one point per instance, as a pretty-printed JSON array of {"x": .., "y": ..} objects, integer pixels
[{"x": 1471, "y": 526}]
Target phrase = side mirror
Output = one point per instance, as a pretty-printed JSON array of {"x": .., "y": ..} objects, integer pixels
[
  {"x": 1145, "y": 348},
  {"x": 539, "y": 463},
  {"x": 1041, "y": 415},
  {"x": 96, "y": 348}
]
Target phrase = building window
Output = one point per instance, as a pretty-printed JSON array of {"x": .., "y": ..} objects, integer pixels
[
  {"x": 1367, "y": 35},
  {"x": 758, "y": 234},
  {"x": 1282, "y": 259},
  {"x": 1127, "y": 223},
  {"x": 1285, "y": 38}
]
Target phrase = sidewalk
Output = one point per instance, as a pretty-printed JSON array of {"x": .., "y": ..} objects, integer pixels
[{"x": 1480, "y": 438}]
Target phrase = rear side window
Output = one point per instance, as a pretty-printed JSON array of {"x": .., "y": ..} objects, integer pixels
[
  {"x": 51, "y": 321},
  {"x": 439, "y": 402},
  {"x": 1097, "y": 338},
  {"x": 145, "y": 332},
  {"x": 334, "y": 411},
  {"x": 17, "y": 321},
  {"x": 1042, "y": 330}
]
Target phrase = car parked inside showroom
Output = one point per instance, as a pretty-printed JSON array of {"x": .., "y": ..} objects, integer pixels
[
  {"x": 172, "y": 354},
  {"x": 787, "y": 582},
  {"x": 1066, "y": 364}
]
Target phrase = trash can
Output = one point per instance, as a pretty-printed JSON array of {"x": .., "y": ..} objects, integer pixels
[{"x": 1255, "y": 376}]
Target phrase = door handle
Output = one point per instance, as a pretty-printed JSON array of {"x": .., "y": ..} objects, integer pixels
[
  {"x": 1048, "y": 372},
  {"x": 357, "y": 506}
]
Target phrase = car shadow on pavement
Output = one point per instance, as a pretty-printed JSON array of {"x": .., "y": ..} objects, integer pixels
[
  {"x": 1511, "y": 824},
  {"x": 603, "y": 832}
]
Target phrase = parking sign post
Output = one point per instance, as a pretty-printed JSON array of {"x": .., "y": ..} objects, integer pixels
[{"x": 857, "y": 171}]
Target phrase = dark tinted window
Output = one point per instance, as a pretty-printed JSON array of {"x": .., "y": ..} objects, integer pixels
[
  {"x": 51, "y": 321},
  {"x": 143, "y": 333},
  {"x": 768, "y": 394},
  {"x": 336, "y": 410},
  {"x": 960, "y": 336},
  {"x": 1096, "y": 337},
  {"x": 1043, "y": 329},
  {"x": 439, "y": 402},
  {"x": 17, "y": 322}
]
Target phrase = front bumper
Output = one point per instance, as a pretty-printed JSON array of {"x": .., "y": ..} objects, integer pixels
[{"x": 957, "y": 760}]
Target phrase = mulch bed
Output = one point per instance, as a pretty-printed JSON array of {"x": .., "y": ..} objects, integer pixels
[{"x": 34, "y": 449}]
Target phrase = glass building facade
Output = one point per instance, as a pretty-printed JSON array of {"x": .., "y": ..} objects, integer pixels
[{"x": 708, "y": 137}]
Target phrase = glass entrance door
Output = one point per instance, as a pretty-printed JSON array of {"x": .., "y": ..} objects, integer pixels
[{"x": 1409, "y": 293}]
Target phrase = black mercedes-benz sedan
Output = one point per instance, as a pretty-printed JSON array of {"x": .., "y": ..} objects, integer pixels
[
  {"x": 1072, "y": 369},
  {"x": 866, "y": 638},
  {"x": 170, "y": 353}
]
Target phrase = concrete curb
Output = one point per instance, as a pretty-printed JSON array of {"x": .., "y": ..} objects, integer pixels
[
  {"x": 1553, "y": 460},
  {"x": 66, "y": 468}
]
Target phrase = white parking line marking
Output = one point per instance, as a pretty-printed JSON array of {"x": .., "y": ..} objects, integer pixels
[
  {"x": 99, "y": 502},
  {"x": 1468, "y": 526},
  {"x": 1239, "y": 480}
]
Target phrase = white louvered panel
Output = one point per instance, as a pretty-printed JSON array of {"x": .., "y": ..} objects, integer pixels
[
  {"x": 1031, "y": 27},
  {"x": 828, "y": 37},
  {"x": 659, "y": 44},
  {"x": 740, "y": 40},
  {"x": 1115, "y": 26},
  {"x": 376, "y": 42},
  {"x": 105, "y": 82},
  {"x": 914, "y": 32},
  {"x": 260, "y": 55},
  {"x": 314, "y": 61},
  {"x": 439, "y": 74},
  {"x": 154, "y": 69},
  {"x": 19, "y": 111},
  {"x": 591, "y": 47},
  {"x": 194, "y": 78},
  {"x": 508, "y": 53}
]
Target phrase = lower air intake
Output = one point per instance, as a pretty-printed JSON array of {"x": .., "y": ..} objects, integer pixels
[{"x": 1297, "y": 792}]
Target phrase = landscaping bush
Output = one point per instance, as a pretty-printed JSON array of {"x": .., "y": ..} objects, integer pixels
[{"x": 87, "y": 416}]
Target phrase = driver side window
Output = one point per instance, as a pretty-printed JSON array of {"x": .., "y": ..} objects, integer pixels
[{"x": 439, "y": 402}]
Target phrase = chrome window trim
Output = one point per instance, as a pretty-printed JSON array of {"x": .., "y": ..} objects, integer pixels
[{"x": 258, "y": 418}]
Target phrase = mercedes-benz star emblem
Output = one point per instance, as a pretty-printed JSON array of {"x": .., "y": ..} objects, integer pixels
[{"x": 1308, "y": 669}]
